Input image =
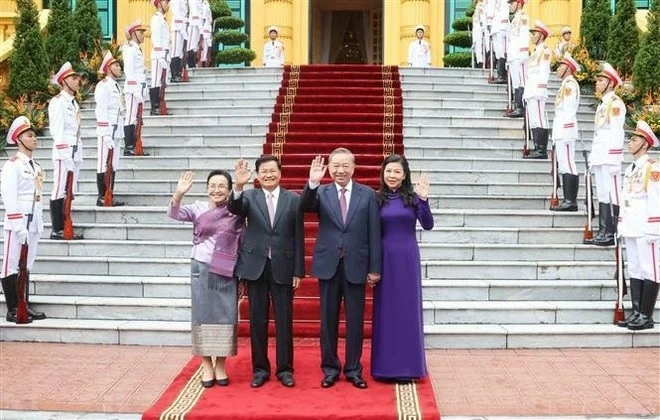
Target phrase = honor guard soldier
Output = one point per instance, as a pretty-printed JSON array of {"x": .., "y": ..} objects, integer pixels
[
  {"x": 64, "y": 126},
  {"x": 478, "y": 28},
  {"x": 179, "y": 36},
  {"x": 607, "y": 154},
  {"x": 207, "y": 36},
  {"x": 517, "y": 54},
  {"x": 21, "y": 182},
  {"x": 194, "y": 30},
  {"x": 536, "y": 90},
  {"x": 160, "y": 49},
  {"x": 273, "y": 50},
  {"x": 498, "y": 13},
  {"x": 639, "y": 225},
  {"x": 110, "y": 110},
  {"x": 564, "y": 45},
  {"x": 565, "y": 131},
  {"x": 419, "y": 51},
  {"x": 134, "y": 83}
]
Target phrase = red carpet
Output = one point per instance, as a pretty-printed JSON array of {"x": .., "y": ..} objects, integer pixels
[
  {"x": 185, "y": 397},
  {"x": 320, "y": 108}
]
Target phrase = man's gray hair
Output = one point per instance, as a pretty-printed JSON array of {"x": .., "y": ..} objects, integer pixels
[{"x": 341, "y": 151}]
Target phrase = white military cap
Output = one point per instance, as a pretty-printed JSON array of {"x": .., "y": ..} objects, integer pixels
[
  {"x": 644, "y": 130},
  {"x": 108, "y": 60},
  {"x": 65, "y": 71},
  {"x": 19, "y": 126},
  {"x": 608, "y": 71}
]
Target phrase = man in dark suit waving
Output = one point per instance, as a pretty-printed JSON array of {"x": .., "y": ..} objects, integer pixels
[
  {"x": 346, "y": 257},
  {"x": 271, "y": 259}
]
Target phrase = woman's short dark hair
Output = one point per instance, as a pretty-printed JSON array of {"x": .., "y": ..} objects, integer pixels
[
  {"x": 220, "y": 172},
  {"x": 266, "y": 159}
]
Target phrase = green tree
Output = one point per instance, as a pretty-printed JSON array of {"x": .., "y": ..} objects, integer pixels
[
  {"x": 594, "y": 27},
  {"x": 623, "y": 38},
  {"x": 28, "y": 65},
  {"x": 460, "y": 38},
  {"x": 646, "y": 76},
  {"x": 229, "y": 36},
  {"x": 61, "y": 37},
  {"x": 88, "y": 25}
]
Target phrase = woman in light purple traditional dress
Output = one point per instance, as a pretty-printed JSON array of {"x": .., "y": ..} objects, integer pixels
[
  {"x": 213, "y": 287},
  {"x": 397, "y": 347}
]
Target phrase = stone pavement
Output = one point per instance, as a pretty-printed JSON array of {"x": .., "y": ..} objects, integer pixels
[{"x": 82, "y": 381}]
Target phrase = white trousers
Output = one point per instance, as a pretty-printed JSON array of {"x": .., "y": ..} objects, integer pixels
[
  {"x": 59, "y": 179},
  {"x": 102, "y": 154},
  {"x": 132, "y": 104},
  {"x": 11, "y": 252},
  {"x": 193, "y": 37},
  {"x": 608, "y": 183},
  {"x": 536, "y": 114},
  {"x": 643, "y": 258},
  {"x": 157, "y": 67},
  {"x": 566, "y": 156},
  {"x": 517, "y": 69},
  {"x": 177, "y": 44},
  {"x": 499, "y": 44}
]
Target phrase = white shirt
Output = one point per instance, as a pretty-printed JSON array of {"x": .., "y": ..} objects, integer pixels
[{"x": 276, "y": 196}]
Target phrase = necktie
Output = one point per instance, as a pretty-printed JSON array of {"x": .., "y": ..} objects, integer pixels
[
  {"x": 273, "y": 43},
  {"x": 633, "y": 167},
  {"x": 32, "y": 164},
  {"x": 271, "y": 208},
  {"x": 420, "y": 42},
  {"x": 343, "y": 205}
]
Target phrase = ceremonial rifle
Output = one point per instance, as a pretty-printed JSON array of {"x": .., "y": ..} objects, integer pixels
[
  {"x": 107, "y": 179},
  {"x": 589, "y": 201},
  {"x": 526, "y": 133},
  {"x": 508, "y": 93},
  {"x": 162, "y": 108},
  {"x": 554, "y": 200},
  {"x": 185, "y": 77},
  {"x": 68, "y": 199},
  {"x": 138, "y": 131},
  {"x": 618, "y": 273},
  {"x": 21, "y": 281}
]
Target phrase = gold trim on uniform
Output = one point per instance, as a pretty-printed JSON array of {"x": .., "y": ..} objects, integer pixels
[{"x": 407, "y": 402}]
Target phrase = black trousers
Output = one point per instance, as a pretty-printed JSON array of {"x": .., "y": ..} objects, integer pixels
[
  {"x": 331, "y": 292},
  {"x": 259, "y": 293}
]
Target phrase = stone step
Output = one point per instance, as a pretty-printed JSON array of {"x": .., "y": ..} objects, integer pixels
[
  {"x": 433, "y": 290},
  {"x": 522, "y": 312},
  {"x": 151, "y": 217},
  {"x": 537, "y": 336},
  {"x": 501, "y": 235},
  {"x": 164, "y": 248},
  {"x": 434, "y": 312},
  {"x": 518, "y": 270},
  {"x": 172, "y": 333}
]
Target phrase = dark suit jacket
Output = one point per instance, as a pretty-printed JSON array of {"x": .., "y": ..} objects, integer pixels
[
  {"x": 285, "y": 239},
  {"x": 358, "y": 241}
]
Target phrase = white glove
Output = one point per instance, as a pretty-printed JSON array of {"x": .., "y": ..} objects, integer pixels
[
  {"x": 108, "y": 143},
  {"x": 652, "y": 238},
  {"x": 21, "y": 235},
  {"x": 68, "y": 164}
]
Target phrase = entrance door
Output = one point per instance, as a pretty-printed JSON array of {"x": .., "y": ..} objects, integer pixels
[{"x": 346, "y": 32}]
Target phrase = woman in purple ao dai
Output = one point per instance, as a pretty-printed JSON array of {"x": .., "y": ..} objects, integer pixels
[{"x": 397, "y": 348}]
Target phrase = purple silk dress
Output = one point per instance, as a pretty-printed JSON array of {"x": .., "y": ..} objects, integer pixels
[{"x": 397, "y": 346}]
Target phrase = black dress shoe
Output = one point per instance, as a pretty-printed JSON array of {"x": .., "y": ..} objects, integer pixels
[
  {"x": 59, "y": 235},
  {"x": 287, "y": 380},
  {"x": 357, "y": 382},
  {"x": 328, "y": 381},
  {"x": 11, "y": 316},
  {"x": 222, "y": 382},
  {"x": 208, "y": 384},
  {"x": 36, "y": 315},
  {"x": 258, "y": 381}
]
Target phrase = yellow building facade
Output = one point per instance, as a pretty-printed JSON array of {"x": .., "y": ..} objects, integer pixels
[{"x": 317, "y": 31}]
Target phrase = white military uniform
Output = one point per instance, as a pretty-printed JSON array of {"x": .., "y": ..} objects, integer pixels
[
  {"x": 179, "y": 22},
  {"x": 497, "y": 12},
  {"x": 639, "y": 218},
  {"x": 536, "y": 85},
  {"x": 607, "y": 148},
  {"x": 518, "y": 48},
  {"x": 273, "y": 54},
  {"x": 419, "y": 53},
  {"x": 565, "y": 124},
  {"x": 207, "y": 27},
  {"x": 194, "y": 24},
  {"x": 477, "y": 32},
  {"x": 21, "y": 186},
  {"x": 64, "y": 126},
  {"x": 110, "y": 110},
  {"x": 160, "y": 48},
  {"x": 135, "y": 80}
]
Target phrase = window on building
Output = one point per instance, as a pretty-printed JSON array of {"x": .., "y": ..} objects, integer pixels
[{"x": 107, "y": 15}]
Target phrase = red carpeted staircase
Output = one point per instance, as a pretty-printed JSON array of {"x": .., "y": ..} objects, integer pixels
[{"x": 320, "y": 108}]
